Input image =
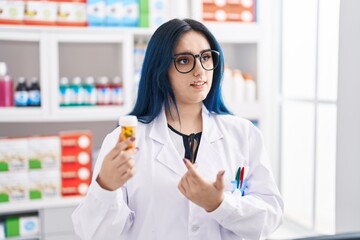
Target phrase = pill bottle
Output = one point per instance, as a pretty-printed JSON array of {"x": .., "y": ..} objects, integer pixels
[{"x": 128, "y": 128}]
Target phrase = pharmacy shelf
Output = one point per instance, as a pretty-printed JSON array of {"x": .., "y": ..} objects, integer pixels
[
  {"x": 50, "y": 42},
  {"x": 28, "y": 206},
  {"x": 24, "y": 238}
]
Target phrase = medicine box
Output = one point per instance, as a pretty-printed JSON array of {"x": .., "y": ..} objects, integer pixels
[
  {"x": 96, "y": 12},
  {"x": 11, "y": 12},
  {"x": 13, "y": 154},
  {"x": 72, "y": 13},
  {"x": 44, "y": 184},
  {"x": 13, "y": 186},
  {"x": 44, "y": 152},
  {"x": 75, "y": 162},
  {"x": 40, "y": 12},
  {"x": 229, "y": 10},
  {"x": 122, "y": 13}
]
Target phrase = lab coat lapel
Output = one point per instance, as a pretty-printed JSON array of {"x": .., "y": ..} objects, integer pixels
[
  {"x": 167, "y": 155},
  {"x": 207, "y": 152}
]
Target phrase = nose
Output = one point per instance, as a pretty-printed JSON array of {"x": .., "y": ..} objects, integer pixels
[{"x": 198, "y": 69}]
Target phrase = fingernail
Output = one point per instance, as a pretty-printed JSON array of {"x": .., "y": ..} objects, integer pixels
[
  {"x": 185, "y": 159},
  {"x": 132, "y": 139},
  {"x": 137, "y": 148},
  {"x": 222, "y": 173}
]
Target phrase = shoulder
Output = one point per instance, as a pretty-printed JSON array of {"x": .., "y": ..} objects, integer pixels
[
  {"x": 237, "y": 125},
  {"x": 232, "y": 121}
]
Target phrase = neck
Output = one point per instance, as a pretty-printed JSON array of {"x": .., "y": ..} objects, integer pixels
[{"x": 189, "y": 119}]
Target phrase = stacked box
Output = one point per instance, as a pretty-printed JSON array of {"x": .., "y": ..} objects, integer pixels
[
  {"x": 22, "y": 226},
  {"x": 122, "y": 13},
  {"x": 71, "y": 13},
  {"x": 11, "y": 12},
  {"x": 13, "y": 169},
  {"x": 96, "y": 12},
  {"x": 39, "y": 12},
  {"x": 229, "y": 10},
  {"x": 75, "y": 162},
  {"x": 44, "y": 167}
]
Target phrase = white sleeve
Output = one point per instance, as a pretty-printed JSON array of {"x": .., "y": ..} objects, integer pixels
[
  {"x": 103, "y": 214},
  {"x": 257, "y": 214}
]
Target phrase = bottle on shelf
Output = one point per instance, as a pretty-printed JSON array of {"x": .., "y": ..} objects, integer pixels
[
  {"x": 227, "y": 85},
  {"x": 64, "y": 91},
  {"x": 89, "y": 91},
  {"x": 249, "y": 88},
  {"x": 103, "y": 91},
  {"x": 238, "y": 86},
  {"x": 77, "y": 92},
  {"x": 116, "y": 91},
  {"x": 6, "y": 87},
  {"x": 34, "y": 93},
  {"x": 21, "y": 93}
]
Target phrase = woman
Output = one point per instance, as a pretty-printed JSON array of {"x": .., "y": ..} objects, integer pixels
[{"x": 178, "y": 183}]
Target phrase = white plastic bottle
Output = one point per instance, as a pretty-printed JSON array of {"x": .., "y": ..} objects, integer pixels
[
  {"x": 250, "y": 88},
  {"x": 227, "y": 86},
  {"x": 238, "y": 86}
]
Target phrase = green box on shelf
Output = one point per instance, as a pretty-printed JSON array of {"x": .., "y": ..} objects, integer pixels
[
  {"x": 4, "y": 166},
  {"x": 12, "y": 227},
  {"x": 4, "y": 197}
]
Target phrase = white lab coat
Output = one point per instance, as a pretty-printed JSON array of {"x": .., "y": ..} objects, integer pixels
[{"x": 150, "y": 206}]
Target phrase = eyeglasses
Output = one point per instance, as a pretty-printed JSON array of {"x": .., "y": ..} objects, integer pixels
[{"x": 185, "y": 62}]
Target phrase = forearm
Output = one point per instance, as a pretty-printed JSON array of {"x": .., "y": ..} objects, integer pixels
[
  {"x": 102, "y": 214},
  {"x": 249, "y": 217}
]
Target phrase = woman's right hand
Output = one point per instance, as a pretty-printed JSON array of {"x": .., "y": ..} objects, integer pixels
[{"x": 118, "y": 166}]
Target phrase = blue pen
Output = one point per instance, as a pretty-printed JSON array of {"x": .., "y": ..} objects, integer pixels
[{"x": 243, "y": 186}]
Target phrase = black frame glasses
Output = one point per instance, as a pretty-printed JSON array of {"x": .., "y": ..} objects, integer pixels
[{"x": 185, "y": 62}]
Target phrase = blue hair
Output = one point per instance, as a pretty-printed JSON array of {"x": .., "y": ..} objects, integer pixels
[{"x": 154, "y": 86}]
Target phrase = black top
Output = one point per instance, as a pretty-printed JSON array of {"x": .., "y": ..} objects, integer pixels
[{"x": 191, "y": 143}]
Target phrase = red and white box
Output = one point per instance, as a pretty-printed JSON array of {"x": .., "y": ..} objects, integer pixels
[
  {"x": 76, "y": 161},
  {"x": 229, "y": 10}
]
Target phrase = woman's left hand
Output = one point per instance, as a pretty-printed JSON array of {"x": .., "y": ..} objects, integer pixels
[{"x": 208, "y": 195}]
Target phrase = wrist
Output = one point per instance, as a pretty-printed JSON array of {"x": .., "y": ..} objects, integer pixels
[
  {"x": 102, "y": 184},
  {"x": 216, "y": 205}
]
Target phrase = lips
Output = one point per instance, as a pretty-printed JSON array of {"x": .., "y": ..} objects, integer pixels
[{"x": 197, "y": 84}]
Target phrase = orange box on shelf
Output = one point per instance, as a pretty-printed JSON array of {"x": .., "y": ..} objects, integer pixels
[
  {"x": 11, "y": 12},
  {"x": 72, "y": 13},
  {"x": 76, "y": 161},
  {"x": 228, "y": 10},
  {"x": 39, "y": 12}
]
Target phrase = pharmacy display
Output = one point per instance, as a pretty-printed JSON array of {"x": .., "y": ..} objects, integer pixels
[
  {"x": 45, "y": 167},
  {"x": 92, "y": 13}
]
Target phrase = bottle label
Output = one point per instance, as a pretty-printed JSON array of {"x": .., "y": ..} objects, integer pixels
[
  {"x": 65, "y": 96},
  {"x": 34, "y": 97},
  {"x": 103, "y": 96},
  {"x": 90, "y": 96},
  {"x": 117, "y": 96},
  {"x": 21, "y": 98}
]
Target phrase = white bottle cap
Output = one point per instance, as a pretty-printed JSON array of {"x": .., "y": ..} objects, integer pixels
[
  {"x": 129, "y": 120},
  {"x": 3, "y": 69}
]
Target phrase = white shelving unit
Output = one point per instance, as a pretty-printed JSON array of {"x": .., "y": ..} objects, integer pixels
[
  {"x": 63, "y": 52},
  {"x": 53, "y": 52}
]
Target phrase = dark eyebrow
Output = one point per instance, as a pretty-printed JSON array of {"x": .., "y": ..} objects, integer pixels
[{"x": 176, "y": 54}]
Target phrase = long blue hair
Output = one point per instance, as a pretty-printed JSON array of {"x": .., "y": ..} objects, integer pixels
[{"x": 154, "y": 86}]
